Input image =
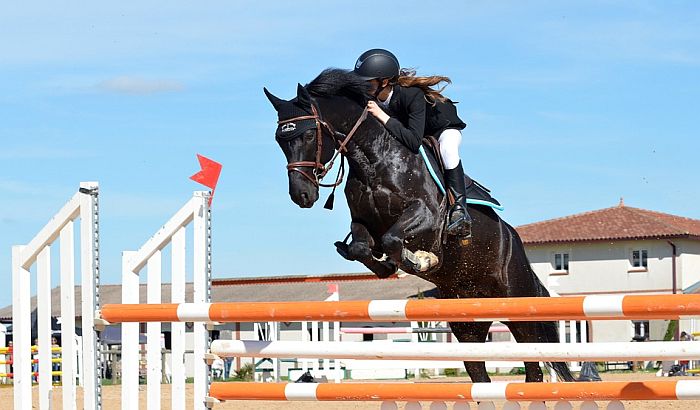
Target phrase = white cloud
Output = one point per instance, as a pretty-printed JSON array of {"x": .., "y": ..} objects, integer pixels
[
  {"x": 44, "y": 152},
  {"x": 138, "y": 85}
]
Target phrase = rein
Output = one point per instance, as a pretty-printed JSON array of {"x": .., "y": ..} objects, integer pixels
[{"x": 319, "y": 169}]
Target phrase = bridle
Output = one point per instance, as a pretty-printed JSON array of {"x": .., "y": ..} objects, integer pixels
[{"x": 318, "y": 168}]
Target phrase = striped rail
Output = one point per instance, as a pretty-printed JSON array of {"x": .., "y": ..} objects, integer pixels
[
  {"x": 599, "y": 307},
  {"x": 512, "y": 391},
  {"x": 538, "y": 352}
]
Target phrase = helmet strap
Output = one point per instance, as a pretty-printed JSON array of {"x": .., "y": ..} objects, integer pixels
[{"x": 380, "y": 89}]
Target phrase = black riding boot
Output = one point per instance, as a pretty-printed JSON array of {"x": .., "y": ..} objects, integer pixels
[{"x": 459, "y": 221}]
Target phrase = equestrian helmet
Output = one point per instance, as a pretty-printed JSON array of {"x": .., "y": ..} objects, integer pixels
[{"x": 377, "y": 63}]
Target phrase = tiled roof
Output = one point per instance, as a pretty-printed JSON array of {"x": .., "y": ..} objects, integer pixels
[{"x": 619, "y": 222}]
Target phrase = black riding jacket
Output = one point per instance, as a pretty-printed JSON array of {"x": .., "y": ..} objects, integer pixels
[{"x": 412, "y": 116}]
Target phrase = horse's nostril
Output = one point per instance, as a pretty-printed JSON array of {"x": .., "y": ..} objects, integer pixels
[{"x": 304, "y": 196}]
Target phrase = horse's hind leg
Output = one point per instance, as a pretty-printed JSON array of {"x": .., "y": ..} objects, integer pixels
[
  {"x": 474, "y": 332},
  {"x": 360, "y": 249},
  {"x": 528, "y": 332}
]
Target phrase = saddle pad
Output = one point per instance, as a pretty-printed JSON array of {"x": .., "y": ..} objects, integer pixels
[{"x": 477, "y": 194}]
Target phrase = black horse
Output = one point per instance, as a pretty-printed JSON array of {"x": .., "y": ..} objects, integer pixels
[{"x": 398, "y": 213}]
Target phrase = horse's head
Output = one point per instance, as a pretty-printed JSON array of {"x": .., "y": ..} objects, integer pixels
[{"x": 306, "y": 141}]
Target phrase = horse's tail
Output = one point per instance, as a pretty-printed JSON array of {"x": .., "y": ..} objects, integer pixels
[
  {"x": 550, "y": 332},
  {"x": 562, "y": 371}
]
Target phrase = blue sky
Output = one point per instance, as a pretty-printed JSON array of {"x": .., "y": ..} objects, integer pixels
[{"x": 570, "y": 106}]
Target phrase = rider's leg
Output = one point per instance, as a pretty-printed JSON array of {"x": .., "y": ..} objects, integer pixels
[{"x": 460, "y": 223}]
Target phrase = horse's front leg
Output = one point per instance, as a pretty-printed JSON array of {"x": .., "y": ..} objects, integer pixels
[
  {"x": 360, "y": 249},
  {"x": 416, "y": 220}
]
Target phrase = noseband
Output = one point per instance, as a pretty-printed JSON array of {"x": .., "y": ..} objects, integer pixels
[{"x": 318, "y": 168}]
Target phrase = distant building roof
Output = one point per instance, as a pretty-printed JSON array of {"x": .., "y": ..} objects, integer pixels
[
  {"x": 619, "y": 222},
  {"x": 355, "y": 286}
]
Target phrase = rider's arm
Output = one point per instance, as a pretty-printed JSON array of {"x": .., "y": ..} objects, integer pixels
[{"x": 411, "y": 135}]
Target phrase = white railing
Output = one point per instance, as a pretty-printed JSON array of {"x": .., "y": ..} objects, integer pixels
[
  {"x": 173, "y": 233},
  {"x": 83, "y": 205}
]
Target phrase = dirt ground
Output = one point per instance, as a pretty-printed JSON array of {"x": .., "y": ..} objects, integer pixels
[{"x": 111, "y": 398}]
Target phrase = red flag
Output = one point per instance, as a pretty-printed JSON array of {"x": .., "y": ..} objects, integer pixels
[{"x": 209, "y": 175}]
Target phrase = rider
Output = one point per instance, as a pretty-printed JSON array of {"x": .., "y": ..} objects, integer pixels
[{"x": 409, "y": 109}]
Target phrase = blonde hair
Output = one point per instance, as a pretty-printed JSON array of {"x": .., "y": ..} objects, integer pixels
[{"x": 407, "y": 78}]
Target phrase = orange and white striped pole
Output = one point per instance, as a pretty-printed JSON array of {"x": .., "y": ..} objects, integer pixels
[
  {"x": 598, "y": 307},
  {"x": 645, "y": 390}
]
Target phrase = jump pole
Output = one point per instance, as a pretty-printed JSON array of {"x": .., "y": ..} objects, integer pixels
[
  {"x": 598, "y": 307},
  {"x": 459, "y": 392},
  {"x": 506, "y": 351}
]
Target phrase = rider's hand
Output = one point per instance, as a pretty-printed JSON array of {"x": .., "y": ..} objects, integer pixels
[{"x": 378, "y": 113}]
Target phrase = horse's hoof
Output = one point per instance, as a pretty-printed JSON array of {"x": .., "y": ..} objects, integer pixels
[
  {"x": 428, "y": 260},
  {"x": 420, "y": 261},
  {"x": 343, "y": 250}
]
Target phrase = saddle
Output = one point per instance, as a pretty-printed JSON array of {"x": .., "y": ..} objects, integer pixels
[{"x": 477, "y": 194}]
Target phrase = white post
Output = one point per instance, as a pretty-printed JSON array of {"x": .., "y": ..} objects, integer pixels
[
  {"x": 177, "y": 339},
  {"x": 314, "y": 338},
  {"x": 90, "y": 276},
  {"x": 202, "y": 294},
  {"x": 130, "y": 337},
  {"x": 304, "y": 338},
  {"x": 68, "y": 351},
  {"x": 43, "y": 315},
  {"x": 4, "y": 357},
  {"x": 326, "y": 335},
  {"x": 331, "y": 363},
  {"x": 21, "y": 330},
  {"x": 336, "y": 338},
  {"x": 573, "y": 333},
  {"x": 275, "y": 361},
  {"x": 562, "y": 339},
  {"x": 256, "y": 333},
  {"x": 78, "y": 363},
  {"x": 154, "y": 376},
  {"x": 562, "y": 331},
  {"x": 3, "y": 343},
  {"x": 414, "y": 339}
]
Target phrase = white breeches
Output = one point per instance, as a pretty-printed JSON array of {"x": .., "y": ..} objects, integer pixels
[{"x": 449, "y": 147}]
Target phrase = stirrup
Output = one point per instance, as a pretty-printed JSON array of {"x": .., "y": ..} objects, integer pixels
[{"x": 462, "y": 227}]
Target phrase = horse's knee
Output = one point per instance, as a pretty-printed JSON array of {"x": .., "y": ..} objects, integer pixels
[
  {"x": 392, "y": 245},
  {"x": 360, "y": 250}
]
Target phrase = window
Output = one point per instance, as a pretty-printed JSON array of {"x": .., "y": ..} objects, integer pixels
[
  {"x": 561, "y": 261},
  {"x": 639, "y": 258}
]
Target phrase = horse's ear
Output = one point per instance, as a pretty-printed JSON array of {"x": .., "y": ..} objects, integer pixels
[
  {"x": 303, "y": 96},
  {"x": 276, "y": 102}
]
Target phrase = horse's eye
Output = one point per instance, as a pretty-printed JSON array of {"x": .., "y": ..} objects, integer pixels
[{"x": 309, "y": 136}]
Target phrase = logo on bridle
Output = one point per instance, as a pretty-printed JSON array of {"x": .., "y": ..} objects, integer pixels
[{"x": 288, "y": 127}]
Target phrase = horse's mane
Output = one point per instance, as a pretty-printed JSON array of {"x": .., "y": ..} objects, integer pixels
[{"x": 338, "y": 82}]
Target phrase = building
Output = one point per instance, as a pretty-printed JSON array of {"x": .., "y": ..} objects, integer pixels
[
  {"x": 618, "y": 250},
  {"x": 612, "y": 251}
]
